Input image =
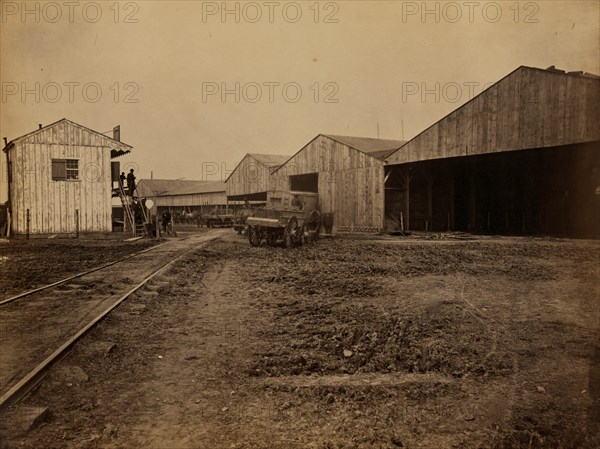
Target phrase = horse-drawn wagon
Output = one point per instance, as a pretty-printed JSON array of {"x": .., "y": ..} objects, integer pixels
[
  {"x": 219, "y": 221},
  {"x": 217, "y": 218},
  {"x": 291, "y": 217}
]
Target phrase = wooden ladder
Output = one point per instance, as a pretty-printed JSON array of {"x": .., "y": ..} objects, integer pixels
[{"x": 131, "y": 225}]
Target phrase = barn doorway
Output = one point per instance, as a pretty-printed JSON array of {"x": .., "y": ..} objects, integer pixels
[
  {"x": 462, "y": 190},
  {"x": 551, "y": 191},
  {"x": 308, "y": 182}
]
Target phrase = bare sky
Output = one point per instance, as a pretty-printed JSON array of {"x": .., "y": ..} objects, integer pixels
[{"x": 290, "y": 70}]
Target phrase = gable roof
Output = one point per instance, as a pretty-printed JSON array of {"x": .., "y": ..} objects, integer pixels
[
  {"x": 378, "y": 148},
  {"x": 270, "y": 161},
  {"x": 534, "y": 72},
  {"x": 117, "y": 148},
  {"x": 167, "y": 187}
]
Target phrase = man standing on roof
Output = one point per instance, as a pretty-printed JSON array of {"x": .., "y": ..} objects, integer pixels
[
  {"x": 131, "y": 182},
  {"x": 122, "y": 178}
]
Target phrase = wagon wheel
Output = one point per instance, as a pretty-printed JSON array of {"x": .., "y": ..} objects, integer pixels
[
  {"x": 314, "y": 224},
  {"x": 289, "y": 235},
  {"x": 239, "y": 224},
  {"x": 301, "y": 236},
  {"x": 271, "y": 238},
  {"x": 254, "y": 236}
]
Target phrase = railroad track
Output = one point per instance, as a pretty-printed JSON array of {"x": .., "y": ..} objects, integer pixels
[
  {"x": 38, "y": 332},
  {"x": 75, "y": 276}
]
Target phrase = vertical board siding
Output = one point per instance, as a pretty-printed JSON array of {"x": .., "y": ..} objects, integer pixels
[
  {"x": 191, "y": 200},
  {"x": 350, "y": 182},
  {"x": 52, "y": 204},
  {"x": 250, "y": 176},
  {"x": 530, "y": 108}
]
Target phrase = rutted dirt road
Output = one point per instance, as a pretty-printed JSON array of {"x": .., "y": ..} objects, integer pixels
[{"x": 342, "y": 344}]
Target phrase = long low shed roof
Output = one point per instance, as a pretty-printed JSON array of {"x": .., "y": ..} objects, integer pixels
[{"x": 170, "y": 187}]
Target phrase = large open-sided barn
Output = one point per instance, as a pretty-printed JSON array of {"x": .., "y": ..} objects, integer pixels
[
  {"x": 348, "y": 175},
  {"x": 59, "y": 179},
  {"x": 183, "y": 195},
  {"x": 521, "y": 157},
  {"x": 251, "y": 178}
]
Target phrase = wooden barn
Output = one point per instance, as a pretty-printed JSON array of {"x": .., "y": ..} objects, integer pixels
[
  {"x": 251, "y": 178},
  {"x": 183, "y": 195},
  {"x": 59, "y": 180},
  {"x": 521, "y": 157},
  {"x": 347, "y": 173}
]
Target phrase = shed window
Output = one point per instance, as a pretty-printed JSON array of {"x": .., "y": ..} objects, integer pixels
[
  {"x": 72, "y": 169},
  {"x": 63, "y": 169}
]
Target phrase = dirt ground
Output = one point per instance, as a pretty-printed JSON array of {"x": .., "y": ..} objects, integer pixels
[
  {"x": 346, "y": 343},
  {"x": 46, "y": 261},
  {"x": 33, "y": 327}
]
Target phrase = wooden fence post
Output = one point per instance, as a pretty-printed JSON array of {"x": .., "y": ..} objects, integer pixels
[
  {"x": 407, "y": 199},
  {"x": 8, "y": 222},
  {"x": 28, "y": 221},
  {"x": 77, "y": 223}
]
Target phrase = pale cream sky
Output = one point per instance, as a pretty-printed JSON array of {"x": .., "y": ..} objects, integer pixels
[{"x": 160, "y": 68}]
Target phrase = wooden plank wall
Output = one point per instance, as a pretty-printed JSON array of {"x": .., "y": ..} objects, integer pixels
[
  {"x": 250, "y": 176},
  {"x": 52, "y": 204},
  {"x": 350, "y": 182},
  {"x": 192, "y": 200},
  {"x": 531, "y": 108}
]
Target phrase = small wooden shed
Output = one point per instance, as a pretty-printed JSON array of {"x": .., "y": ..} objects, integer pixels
[
  {"x": 59, "y": 179},
  {"x": 347, "y": 173}
]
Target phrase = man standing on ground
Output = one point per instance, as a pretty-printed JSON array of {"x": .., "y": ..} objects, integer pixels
[{"x": 166, "y": 219}]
